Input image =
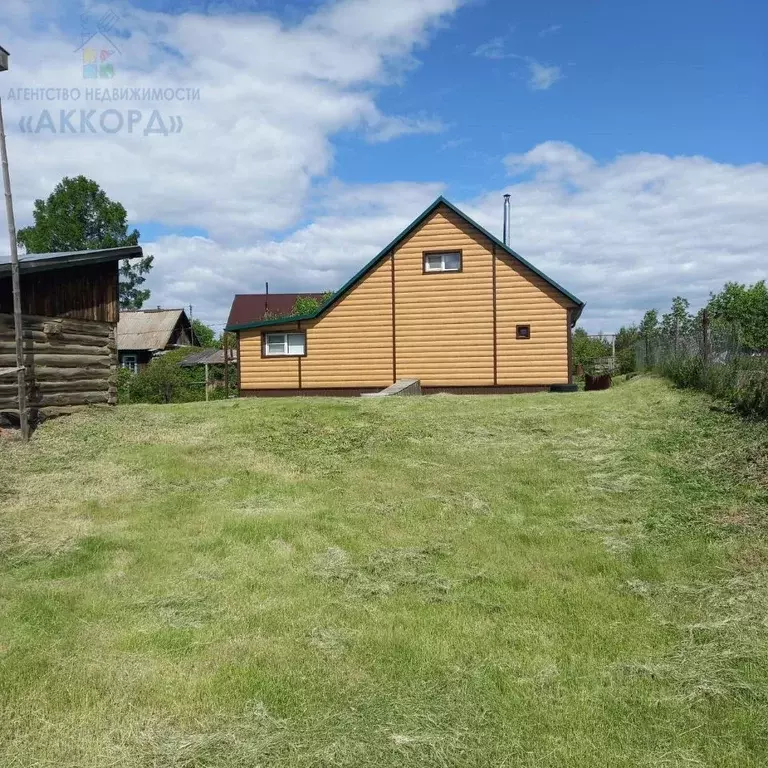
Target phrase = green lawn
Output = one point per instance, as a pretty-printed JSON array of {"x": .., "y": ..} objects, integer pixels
[{"x": 541, "y": 580}]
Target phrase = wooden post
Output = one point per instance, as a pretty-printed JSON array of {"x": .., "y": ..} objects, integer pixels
[
  {"x": 226, "y": 366},
  {"x": 206, "y": 382},
  {"x": 16, "y": 283},
  {"x": 677, "y": 334}
]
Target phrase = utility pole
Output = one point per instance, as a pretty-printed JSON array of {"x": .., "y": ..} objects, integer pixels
[
  {"x": 15, "y": 282},
  {"x": 705, "y": 333}
]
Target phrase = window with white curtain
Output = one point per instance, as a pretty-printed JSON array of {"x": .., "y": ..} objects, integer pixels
[
  {"x": 130, "y": 362},
  {"x": 284, "y": 344},
  {"x": 450, "y": 261}
]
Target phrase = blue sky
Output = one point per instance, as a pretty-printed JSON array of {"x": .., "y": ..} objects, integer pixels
[
  {"x": 675, "y": 78},
  {"x": 631, "y": 137}
]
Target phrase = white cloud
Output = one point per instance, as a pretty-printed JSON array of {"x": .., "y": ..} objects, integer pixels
[
  {"x": 630, "y": 234},
  {"x": 272, "y": 97},
  {"x": 624, "y": 235},
  {"x": 350, "y": 226},
  {"x": 388, "y": 128},
  {"x": 555, "y": 28},
  {"x": 542, "y": 76},
  {"x": 493, "y": 49},
  {"x": 453, "y": 144},
  {"x": 256, "y": 152}
]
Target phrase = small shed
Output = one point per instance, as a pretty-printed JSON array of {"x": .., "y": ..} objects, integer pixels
[
  {"x": 207, "y": 358},
  {"x": 143, "y": 333},
  {"x": 70, "y": 309}
]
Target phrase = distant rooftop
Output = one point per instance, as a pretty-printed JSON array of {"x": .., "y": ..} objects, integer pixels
[
  {"x": 208, "y": 357},
  {"x": 147, "y": 329},
  {"x": 252, "y": 307}
]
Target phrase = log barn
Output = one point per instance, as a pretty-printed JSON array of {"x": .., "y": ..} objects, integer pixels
[
  {"x": 70, "y": 308},
  {"x": 445, "y": 302}
]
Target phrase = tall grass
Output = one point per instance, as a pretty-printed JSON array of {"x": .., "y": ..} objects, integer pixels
[{"x": 743, "y": 381}]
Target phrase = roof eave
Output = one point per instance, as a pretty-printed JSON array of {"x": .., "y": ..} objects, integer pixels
[
  {"x": 74, "y": 260},
  {"x": 274, "y": 321}
]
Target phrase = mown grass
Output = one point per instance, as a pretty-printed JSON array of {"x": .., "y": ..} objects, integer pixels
[{"x": 547, "y": 580}]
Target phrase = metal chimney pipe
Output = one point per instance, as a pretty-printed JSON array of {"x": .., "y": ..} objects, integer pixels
[
  {"x": 266, "y": 298},
  {"x": 506, "y": 220}
]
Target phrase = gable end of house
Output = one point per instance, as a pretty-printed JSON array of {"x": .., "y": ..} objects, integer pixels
[{"x": 391, "y": 247}]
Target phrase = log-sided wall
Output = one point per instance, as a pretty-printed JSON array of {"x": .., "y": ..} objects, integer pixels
[
  {"x": 68, "y": 363},
  {"x": 452, "y": 329}
]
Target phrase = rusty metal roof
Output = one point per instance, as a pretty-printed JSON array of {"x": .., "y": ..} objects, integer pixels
[
  {"x": 147, "y": 329},
  {"x": 252, "y": 307}
]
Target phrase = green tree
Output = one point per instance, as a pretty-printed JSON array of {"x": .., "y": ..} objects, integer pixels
[
  {"x": 587, "y": 349},
  {"x": 132, "y": 296},
  {"x": 649, "y": 325},
  {"x": 231, "y": 338},
  {"x": 746, "y": 307},
  {"x": 78, "y": 216},
  {"x": 206, "y": 336},
  {"x": 306, "y": 305},
  {"x": 626, "y": 339},
  {"x": 678, "y": 321}
]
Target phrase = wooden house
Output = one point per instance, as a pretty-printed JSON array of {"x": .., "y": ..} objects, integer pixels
[
  {"x": 70, "y": 308},
  {"x": 144, "y": 333},
  {"x": 446, "y": 302}
]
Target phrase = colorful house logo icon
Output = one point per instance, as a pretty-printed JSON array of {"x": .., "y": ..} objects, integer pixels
[
  {"x": 96, "y": 63},
  {"x": 97, "y": 47}
]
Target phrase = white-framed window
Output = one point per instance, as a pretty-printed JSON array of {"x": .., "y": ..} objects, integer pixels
[
  {"x": 284, "y": 344},
  {"x": 131, "y": 362},
  {"x": 450, "y": 261}
]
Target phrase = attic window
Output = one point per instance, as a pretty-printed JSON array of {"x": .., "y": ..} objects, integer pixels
[
  {"x": 444, "y": 261},
  {"x": 523, "y": 332}
]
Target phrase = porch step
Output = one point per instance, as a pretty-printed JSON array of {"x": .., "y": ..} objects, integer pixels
[{"x": 402, "y": 387}]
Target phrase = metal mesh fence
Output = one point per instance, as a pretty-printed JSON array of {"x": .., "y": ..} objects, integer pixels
[
  {"x": 718, "y": 345},
  {"x": 712, "y": 359}
]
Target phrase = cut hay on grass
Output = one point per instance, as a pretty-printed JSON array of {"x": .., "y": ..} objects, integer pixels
[{"x": 442, "y": 581}]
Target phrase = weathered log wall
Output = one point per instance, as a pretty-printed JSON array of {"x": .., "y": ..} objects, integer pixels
[
  {"x": 69, "y": 363},
  {"x": 82, "y": 293}
]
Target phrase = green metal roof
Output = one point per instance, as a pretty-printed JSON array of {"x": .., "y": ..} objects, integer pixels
[{"x": 385, "y": 252}]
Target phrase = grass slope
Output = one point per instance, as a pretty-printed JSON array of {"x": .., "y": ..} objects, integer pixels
[{"x": 572, "y": 580}]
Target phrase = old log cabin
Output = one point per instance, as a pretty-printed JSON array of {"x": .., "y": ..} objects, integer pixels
[
  {"x": 144, "y": 333},
  {"x": 446, "y": 302},
  {"x": 70, "y": 307}
]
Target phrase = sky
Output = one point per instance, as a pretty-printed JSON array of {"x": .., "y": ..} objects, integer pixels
[{"x": 255, "y": 141}]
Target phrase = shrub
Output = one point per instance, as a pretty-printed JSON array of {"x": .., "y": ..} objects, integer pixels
[
  {"x": 742, "y": 382},
  {"x": 162, "y": 381}
]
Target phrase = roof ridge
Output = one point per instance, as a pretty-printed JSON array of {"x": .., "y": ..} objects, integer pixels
[{"x": 388, "y": 248}]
